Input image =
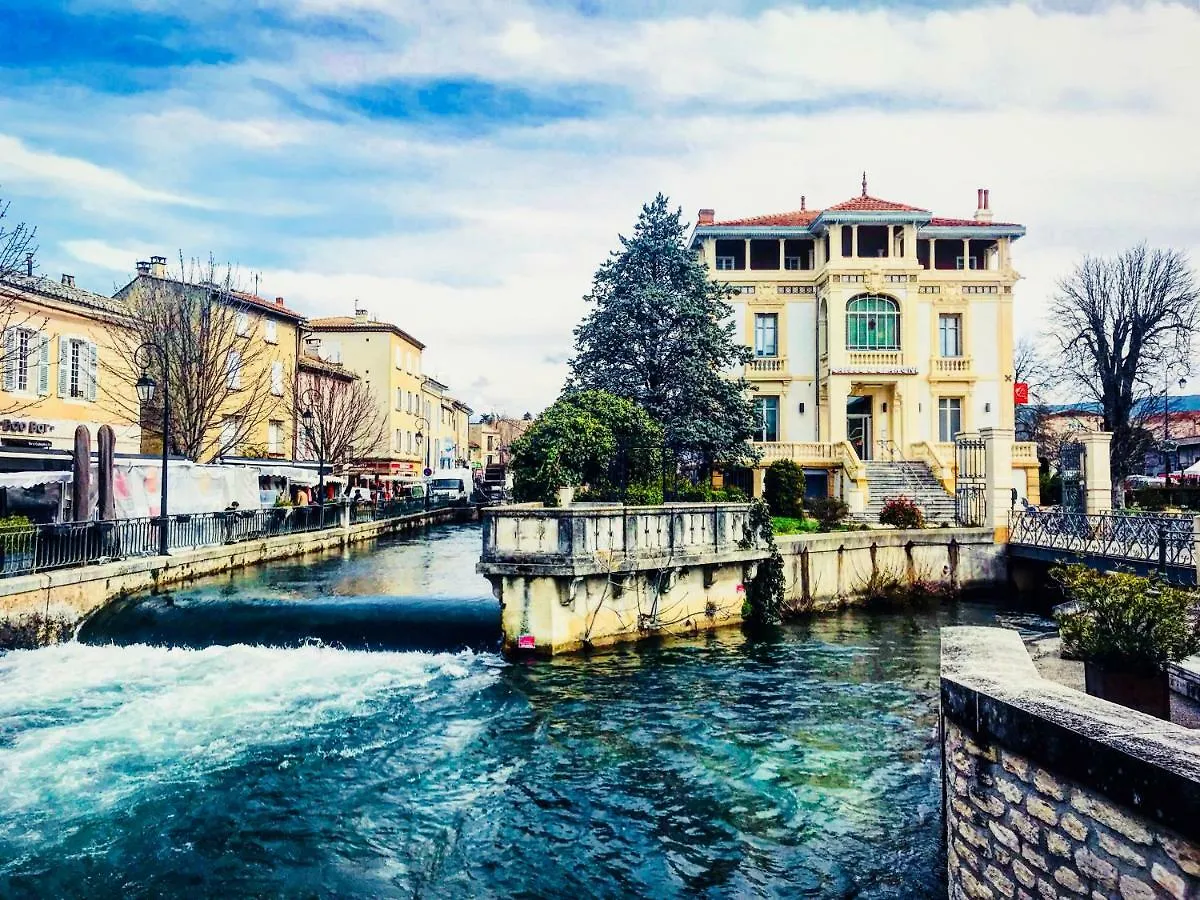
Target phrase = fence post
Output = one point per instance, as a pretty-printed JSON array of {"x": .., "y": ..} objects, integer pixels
[
  {"x": 997, "y": 469},
  {"x": 1097, "y": 474},
  {"x": 1162, "y": 549}
]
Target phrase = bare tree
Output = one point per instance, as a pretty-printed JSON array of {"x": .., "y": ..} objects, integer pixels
[
  {"x": 220, "y": 378},
  {"x": 1120, "y": 323},
  {"x": 347, "y": 424},
  {"x": 25, "y": 348}
]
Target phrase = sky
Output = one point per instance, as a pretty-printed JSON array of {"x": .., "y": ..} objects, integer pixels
[{"x": 462, "y": 167}]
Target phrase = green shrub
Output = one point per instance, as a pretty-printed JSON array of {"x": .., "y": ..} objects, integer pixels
[
  {"x": 783, "y": 488},
  {"x": 829, "y": 512},
  {"x": 901, "y": 512},
  {"x": 1123, "y": 621},
  {"x": 764, "y": 592},
  {"x": 14, "y": 523},
  {"x": 791, "y": 525}
]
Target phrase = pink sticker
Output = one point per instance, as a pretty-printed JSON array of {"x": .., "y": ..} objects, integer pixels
[
  {"x": 741, "y": 588},
  {"x": 526, "y": 642}
]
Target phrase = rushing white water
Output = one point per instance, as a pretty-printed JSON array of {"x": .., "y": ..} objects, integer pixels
[{"x": 87, "y": 730}]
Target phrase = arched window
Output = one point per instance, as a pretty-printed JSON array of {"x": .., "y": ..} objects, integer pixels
[
  {"x": 872, "y": 323},
  {"x": 823, "y": 328}
]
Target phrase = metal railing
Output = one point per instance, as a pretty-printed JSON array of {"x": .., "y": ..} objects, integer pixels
[
  {"x": 39, "y": 548},
  {"x": 1163, "y": 539}
]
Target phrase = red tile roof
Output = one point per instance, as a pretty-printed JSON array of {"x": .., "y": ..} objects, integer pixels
[
  {"x": 272, "y": 305},
  {"x": 962, "y": 223},
  {"x": 867, "y": 203},
  {"x": 799, "y": 217},
  {"x": 352, "y": 323}
]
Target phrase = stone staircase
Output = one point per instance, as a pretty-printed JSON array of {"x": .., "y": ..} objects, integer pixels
[{"x": 910, "y": 479}]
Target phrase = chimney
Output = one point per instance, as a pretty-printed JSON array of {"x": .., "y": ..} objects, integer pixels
[
  {"x": 158, "y": 266},
  {"x": 68, "y": 280},
  {"x": 706, "y": 216},
  {"x": 982, "y": 211},
  {"x": 29, "y": 264},
  {"x": 360, "y": 315},
  {"x": 143, "y": 267},
  {"x": 803, "y": 203},
  {"x": 279, "y": 301}
]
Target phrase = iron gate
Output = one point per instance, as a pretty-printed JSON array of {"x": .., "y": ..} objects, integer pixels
[
  {"x": 1070, "y": 471},
  {"x": 969, "y": 481}
]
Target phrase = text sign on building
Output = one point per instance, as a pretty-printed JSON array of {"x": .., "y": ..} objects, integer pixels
[
  {"x": 25, "y": 426},
  {"x": 1020, "y": 393},
  {"x": 526, "y": 642}
]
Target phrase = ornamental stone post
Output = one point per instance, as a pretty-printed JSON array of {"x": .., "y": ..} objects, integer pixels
[
  {"x": 998, "y": 482},
  {"x": 1097, "y": 477}
]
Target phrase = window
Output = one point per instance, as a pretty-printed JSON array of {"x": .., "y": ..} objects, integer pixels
[
  {"x": 766, "y": 334},
  {"x": 408, "y": 440},
  {"x": 271, "y": 331},
  {"x": 231, "y": 427},
  {"x": 731, "y": 255},
  {"x": 399, "y": 358},
  {"x": 275, "y": 436},
  {"x": 950, "y": 334},
  {"x": 233, "y": 370},
  {"x": 399, "y": 440},
  {"x": 766, "y": 411},
  {"x": 872, "y": 323},
  {"x": 949, "y": 418},
  {"x": 26, "y": 360},
  {"x": 490, "y": 445},
  {"x": 277, "y": 378},
  {"x": 399, "y": 399},
  {"x": 243, "y": 324}
]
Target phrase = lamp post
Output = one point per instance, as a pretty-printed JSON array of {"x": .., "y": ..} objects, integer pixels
[
  {"x": 422, "y": 424},
  {"x": 1167, "y": 444},
  {"x": 146, "y": 387},
  {"x": 308, "y": 397}
]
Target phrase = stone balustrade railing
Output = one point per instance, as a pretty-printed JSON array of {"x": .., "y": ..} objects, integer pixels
[{"x": 595, "y": 537}]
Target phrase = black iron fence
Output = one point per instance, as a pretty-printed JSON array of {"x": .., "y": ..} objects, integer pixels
[
  {"x": 1162, "y": 539},
  {"x": 38, "y": 548}
]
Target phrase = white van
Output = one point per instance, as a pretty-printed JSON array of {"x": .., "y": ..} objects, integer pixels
[{"x": 451, "y": 484}]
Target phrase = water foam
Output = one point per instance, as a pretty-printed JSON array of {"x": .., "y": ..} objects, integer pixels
[{"x": 85, "y": 729}]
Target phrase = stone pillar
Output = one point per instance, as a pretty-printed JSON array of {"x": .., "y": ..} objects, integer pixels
[
  {"x": 759, "y": 473},
  {"x": 839, "y": 391},
  {"x": 1097, "y": 476},
  {"x": 853, "y": 241},
  {"x": 997, "y": 496}
]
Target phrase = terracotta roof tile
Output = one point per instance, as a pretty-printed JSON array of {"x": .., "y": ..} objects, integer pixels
[
  {"x": 866, "y": 203},
  {"x": 799, "y": 217},
  {"x": 961, "y": 223},
  {"x": 349, "y": 323},
  {"x": 267, "y": 304}
]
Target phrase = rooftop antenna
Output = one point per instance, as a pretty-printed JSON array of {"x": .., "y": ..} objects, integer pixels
[{"x": 864, "y": 193}]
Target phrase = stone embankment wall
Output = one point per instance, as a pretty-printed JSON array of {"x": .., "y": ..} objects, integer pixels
[
  {"x": 825, "y": 571},
  {"x": 1051, "y": 793},
  {"x": 46, "y": 606}
]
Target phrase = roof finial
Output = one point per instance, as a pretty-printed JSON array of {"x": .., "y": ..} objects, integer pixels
[
  {"x": 864, "y": 182},
  {"x": 802, "y": 201}
]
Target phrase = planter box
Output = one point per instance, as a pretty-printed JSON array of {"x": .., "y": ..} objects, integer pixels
[{"x": 1146, "y": 693}]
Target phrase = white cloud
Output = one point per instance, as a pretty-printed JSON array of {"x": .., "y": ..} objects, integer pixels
[{"x": 86, "y": 183}]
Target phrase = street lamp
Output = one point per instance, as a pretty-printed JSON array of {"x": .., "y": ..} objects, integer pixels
[
  {"x": 422, "y": 424},
  {"x": 1167, "y": 444},
  {"x": 308, "y": 399},
  {"x": 146, "y": 388}
]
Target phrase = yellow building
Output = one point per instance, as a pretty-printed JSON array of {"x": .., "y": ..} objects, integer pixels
[
  {"x": 56, "y": 349},
  {"x": 388, "y": 359},
  {"x": 880, "y": 332},
  {"x": 446, "y": 426},
  {"x": 256, "y": 419}
]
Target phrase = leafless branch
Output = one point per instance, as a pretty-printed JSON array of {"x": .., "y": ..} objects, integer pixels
[{"x": 347, "y": 422}]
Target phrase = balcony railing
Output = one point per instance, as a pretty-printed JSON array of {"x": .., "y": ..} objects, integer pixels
[
  {"x": 767, "y": 366},
  {"x": 800, "y": 452},
  {"x": 875, "y": 357},
  {"x": 950, "y": 366},
  {"x": 1025, "y": 452}
]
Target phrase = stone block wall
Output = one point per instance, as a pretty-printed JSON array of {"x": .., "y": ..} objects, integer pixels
[
  {"x": 1050, "y": 793},
  {"x": 1016, "y": 830}
]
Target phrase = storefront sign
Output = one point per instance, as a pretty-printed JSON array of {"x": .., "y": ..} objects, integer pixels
[
  {"x": 25, "y": 426},
  {"x": 1020, "y": 393}
]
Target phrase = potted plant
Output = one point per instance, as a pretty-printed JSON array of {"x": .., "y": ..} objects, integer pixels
[{"x": 1126, "y": 629}]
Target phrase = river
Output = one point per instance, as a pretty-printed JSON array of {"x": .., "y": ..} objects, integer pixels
[{"x": 203, "y": 747}]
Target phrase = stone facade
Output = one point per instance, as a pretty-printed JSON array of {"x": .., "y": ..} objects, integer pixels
[
  {"x": 1049, "y": 797},
  {"x": 1016, "y": 830}
]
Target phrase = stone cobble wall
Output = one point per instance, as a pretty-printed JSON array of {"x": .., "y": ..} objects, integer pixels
[{"x": 1015, "y": 830}]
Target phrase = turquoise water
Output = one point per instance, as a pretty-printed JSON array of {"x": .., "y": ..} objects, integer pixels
[{"x": 802, "y": 763}]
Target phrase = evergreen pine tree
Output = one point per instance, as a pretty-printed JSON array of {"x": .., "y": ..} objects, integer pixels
[{"x": 661, "y": 335}]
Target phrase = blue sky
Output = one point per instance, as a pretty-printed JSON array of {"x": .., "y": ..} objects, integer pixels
[{"x": 462, "y": 167}]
